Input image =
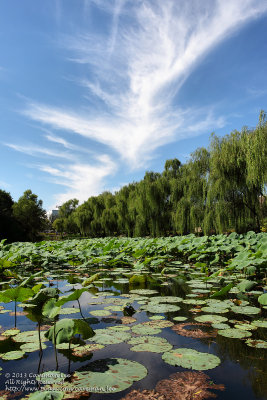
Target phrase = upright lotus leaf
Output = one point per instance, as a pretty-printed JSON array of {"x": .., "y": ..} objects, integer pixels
[
  {"x": 43, "y": 295},
  {"x": 30, "y": 278},
  {"x": 263, "y": 299},
  {"x": 65, "y": 329},
  {"x": 91, "y": 279},
  {"x": 245, "y": 285},
  {"x": 72, "y": 297},
  {"x": 16, "y": 294},
  {"x": 192, "y": 359},
  {"x": 112, "y": 375},
  {"x": 50, "y": 310},
  {"x": 223, "y": 291}
]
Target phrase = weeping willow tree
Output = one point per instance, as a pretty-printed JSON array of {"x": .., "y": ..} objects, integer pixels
[
  {"x": 192, "y": 189},
  {"x": 237, "y": 180}
]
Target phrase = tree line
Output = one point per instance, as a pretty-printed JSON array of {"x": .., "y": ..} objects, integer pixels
[{"x": 219, "y": 189}]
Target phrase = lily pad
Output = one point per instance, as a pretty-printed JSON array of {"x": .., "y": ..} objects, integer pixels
[
  {"x": 142, "y": 329},
  {"x": 100, "y": 313},
  {"x": 259, "y": 344},
  {"x": 108, "y": 336},
  {"x": 160, "y": 308},
  {"x": 46, "y": 395},
  {"x": 32, "y": 346},
  {"x": 69, "y": 310},
  {"x": 212, "y": 319},
  {"x": 29, "y": 336},
  {"x": 192, "y": 359},
  {"x": 247, "y": 310},
  {"x": 82, "y": 351},
  {"x": 112, "y": 374},
  {"x": 159, "y": 324},
  {"x": 180, "y": 318},
  {"x": 234, "y": 333},
  {"x": 128, "y": 320},
  {"x": 156, "y": 317},
  {"x": 260, "y": 323},
  {"x": 216, "y": 310},
  {"x": 119, "y": 328},
  {"x": 245, "y": 327},
  {"x": 114, "y": 308},
  {"x": 194, "y": 302},
  {"x": 166, "y": 299},
  {"x": 12, "y": 355},
  {"x": 144, "y": 291},
  {"x": 220, "y": 326},
  {"x": 11, "y": 332},
  {"x": 150, "y": 344}
]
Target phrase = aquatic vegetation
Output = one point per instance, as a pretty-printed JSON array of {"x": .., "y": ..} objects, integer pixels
[{"x": 150, "y": 317}]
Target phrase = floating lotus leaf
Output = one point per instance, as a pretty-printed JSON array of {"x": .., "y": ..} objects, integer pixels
[
  {"x": 247, "y": 310},
  {"x": 144, "y": 395},
  {"x": 65, "y": 346},
  {"x": 119, "y": 328},
  {"x": 180, "y": 318},
  {"x": 114, "y": 308},
  {"x": 69, "y": 310},
  {"x": 220, "y": 326},
  {"x": 46, "y": 395},
  {"x": 200, "y": 291},
  {"x": 105, "y": 293},
  {"x": 100, "y": 313},
  {"x": 159, "y": 308},
  {"x": 159, "y": 324},
  {"x": 216, "y": 310},
  {"x": 212, "y": 319},
  {"x": 144, "y": 291},
  {"x": 194, "y": 302},
  {"x": 5, "y": 311},
  {"x": 263, "y": 299},
  {"x": 166, "y": 299},
  {"x": 11, "y": 332},
  {"x": 108, "y": 336},
  {"x": 156, "y": 317},
  {"x": 32, "y": 346},
  {"x": 192, "y": 359},
  {"x": 122, "y": 281},
  {"x": 142, "y": 329},
  {"x": 245, "y": 327},
  {"x": 128, "y": 320},
  {"x": 51, "y": 377},
  {"x": 259, "y": 344},
  {"x": 260, "y": 323},
  {"x": 234, "y": 333},
  {"x": 150, "y": 343},
  {"x": 12, "y": 355},
  {"x": 115, "y": 373},
  {"x": 83, "y": 351},
  {"x": 29, "y": 336}
]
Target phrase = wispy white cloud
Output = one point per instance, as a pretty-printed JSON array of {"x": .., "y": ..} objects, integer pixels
[
  {"x": 37, "y": 151},
  {"x": 80, "y": 179},
  {"x": 138, "y": 69}
]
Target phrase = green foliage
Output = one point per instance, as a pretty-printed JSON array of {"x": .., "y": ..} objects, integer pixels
[{"x": 66, "y": 329}]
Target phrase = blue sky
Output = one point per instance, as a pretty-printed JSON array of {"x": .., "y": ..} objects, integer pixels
[{"x": 93, "y": 93}]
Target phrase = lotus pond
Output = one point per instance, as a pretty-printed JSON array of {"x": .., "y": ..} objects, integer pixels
[{"x": 118, "y": 318}]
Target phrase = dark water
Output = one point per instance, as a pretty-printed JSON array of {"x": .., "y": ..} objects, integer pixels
[{"x": 243, "y": 370}]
